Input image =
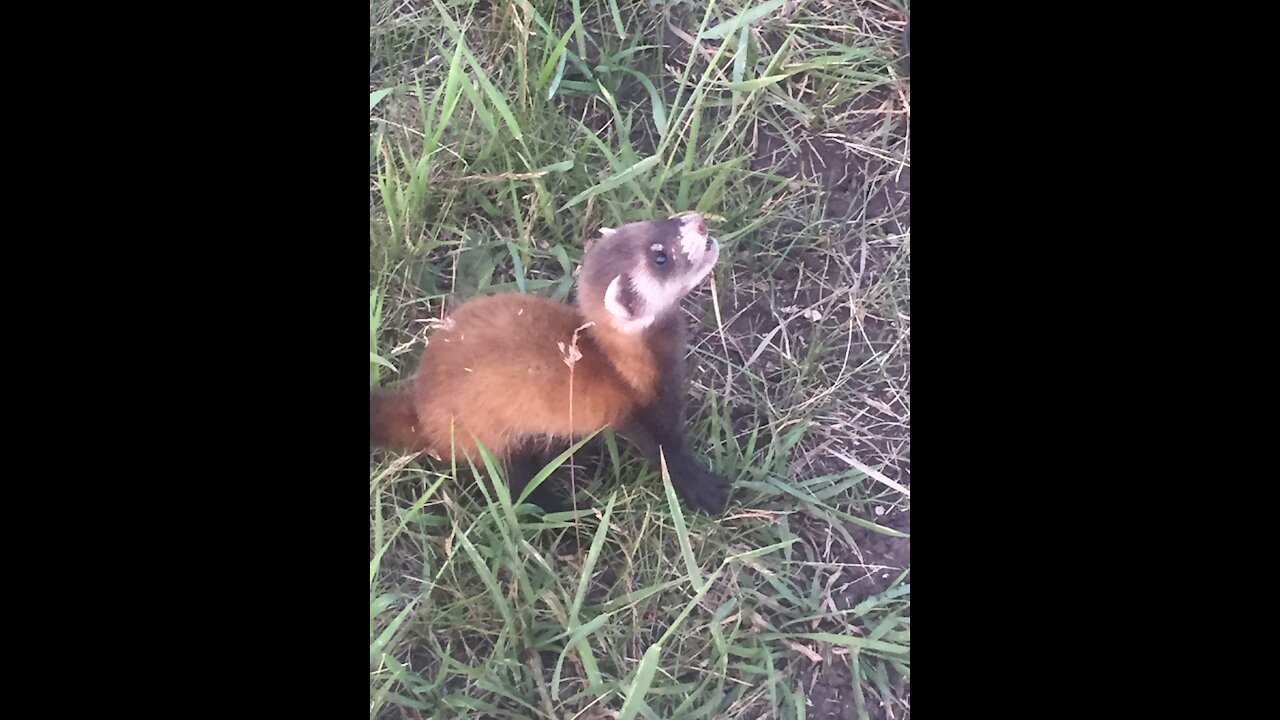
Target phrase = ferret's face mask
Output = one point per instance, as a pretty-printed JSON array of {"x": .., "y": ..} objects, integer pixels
[{"x": 663, "y": 261}]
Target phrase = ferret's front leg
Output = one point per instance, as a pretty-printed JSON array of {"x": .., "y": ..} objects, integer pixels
[
  {"x": 701, "y": 488},
  {"x": 521, "y": 466}
]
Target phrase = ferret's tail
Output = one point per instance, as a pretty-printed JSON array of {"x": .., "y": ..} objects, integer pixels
[{"x": 393, "y": 423}]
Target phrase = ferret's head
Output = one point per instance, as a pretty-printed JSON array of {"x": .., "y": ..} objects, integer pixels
[{"x": 640, "y": 271}]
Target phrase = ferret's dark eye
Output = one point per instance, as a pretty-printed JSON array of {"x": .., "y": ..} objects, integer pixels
[
  {"x": 708, "y": 245},
  {"x": 660, "y": 258}
]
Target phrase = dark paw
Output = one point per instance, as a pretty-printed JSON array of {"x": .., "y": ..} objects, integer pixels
[
  {"x": 706, "y": 491},
  {"x": 547, "y": 498}
]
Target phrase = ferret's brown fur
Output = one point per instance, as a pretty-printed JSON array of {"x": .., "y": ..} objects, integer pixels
[{"x": 496, "y": 372}]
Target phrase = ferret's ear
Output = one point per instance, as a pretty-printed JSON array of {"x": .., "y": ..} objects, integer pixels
[
  {"x": 620, "y": 299},
  {"x": 606, "y": 232}
]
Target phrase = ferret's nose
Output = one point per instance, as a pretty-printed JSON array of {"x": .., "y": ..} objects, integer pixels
[{"x": 698, "y": 222}]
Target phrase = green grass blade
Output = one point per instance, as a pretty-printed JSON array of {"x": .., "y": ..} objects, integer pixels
[
  {"x": 555, "y": 63},
  {"x": 562, "y": 166},
  {"x": 593, "y": 555},
  {"x": 376, "y": 647},
  {"x": 757, "y": 83},
  {"x": 747, "y": 555},
  {"x": 376, "y": 358},
  {"x": 849, "y": 641},
  {"x": 682, "y": 532},
  {"x": 550, "y": 467},
  {"x": 486, "y": 577},
  {"x": 376, "y": 97},
  {"x": 655, "y": 101},
  {"x": 375, "y": 321},
  {"x": 690, "y": 153},
  {"x": 579, "y": 36},
  {"x": 640, "y": 683},
  {"x": 495, "y": 97},
  {"x": 584, "y": 582},
  {"x": 739, "y": 72},
  {"x": 749, "y": 17},
  {"x": 559, "y": 76},
  {"x": 578, "y": 641},
  {"x": 452, "y": 92},
  {"x": 482, "y": 110},
  {"x": 481, "y": 75},
  {"x": 636, "y": 596},
  {"x": 617, "y": 20},
  {"x": 519, "y": 266},
  {"x": 613, "y": 181}
]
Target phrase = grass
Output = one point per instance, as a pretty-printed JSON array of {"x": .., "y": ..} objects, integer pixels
[{"x": 503, "y": 134}]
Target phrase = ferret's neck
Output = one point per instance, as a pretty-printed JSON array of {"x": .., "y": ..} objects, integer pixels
[
  {"x": 630, "y": 356},
  {"x": 639, "y": 358}
]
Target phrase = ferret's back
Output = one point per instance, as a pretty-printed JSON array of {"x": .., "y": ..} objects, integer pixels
[{"x": 497, "y": 369}]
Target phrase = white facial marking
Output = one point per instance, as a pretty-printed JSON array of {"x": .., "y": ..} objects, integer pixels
[
  {"x": 655, "y": 247},
  {"x": 606, "y": 232},
  {"x": 693, "y": 237},
  {"x": 622, "y": 318},
  {"x": 709, "y": 258},
  {"x": 613, "y": 300},
  {"x": 658, "y": 297}
]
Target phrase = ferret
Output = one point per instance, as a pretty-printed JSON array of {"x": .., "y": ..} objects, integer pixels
[{"x": 499, "y": 369}]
